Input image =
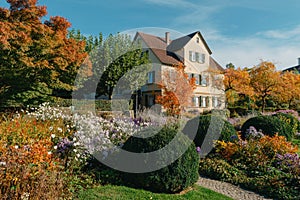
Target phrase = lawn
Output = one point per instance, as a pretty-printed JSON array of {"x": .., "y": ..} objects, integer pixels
[{"x": 122, "y": 192}]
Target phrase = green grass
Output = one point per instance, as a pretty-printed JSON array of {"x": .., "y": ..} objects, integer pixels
[{"x": 123, "y": 193}]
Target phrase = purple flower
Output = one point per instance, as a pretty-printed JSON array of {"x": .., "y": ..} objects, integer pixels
[
  {"x": 198, "y": 149},
  {"x": 64, "y": 145}
]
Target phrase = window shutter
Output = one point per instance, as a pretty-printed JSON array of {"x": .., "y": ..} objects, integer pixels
[{"x": 207, "y": 101}]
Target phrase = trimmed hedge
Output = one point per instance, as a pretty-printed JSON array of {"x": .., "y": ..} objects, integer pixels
[
  {"x": 173, "y": 178},
  {"x": 269, "y": 125},
  {"x": 227, "y": 130}
]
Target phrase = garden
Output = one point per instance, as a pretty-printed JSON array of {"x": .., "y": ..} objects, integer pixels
[{"x": 48, "y": 152}]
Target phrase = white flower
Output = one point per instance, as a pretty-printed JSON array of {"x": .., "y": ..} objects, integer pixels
[
  {"x": 76, "y": 144},
  {"x": 49, "y": 152},
  {"x": 78, "y": 155},
  {"x": 53, "y": 135},
  {"x": 75, "y": 150},
  {"x": 16, "y": 147},
  {"x": 55, "y": 147},
  {"x": 2, "y": 163},
  {"x": 59, "y": 129},
  {"x": 51, "y": 128}
]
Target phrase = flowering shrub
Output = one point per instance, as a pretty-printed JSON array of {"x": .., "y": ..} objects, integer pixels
[
  {"x": 267, "y": 165},
  {"x": 288, "y": 162},
  {"x": 252, "y": 133},
  {"x": 28, "y": 166},
  {"x": 254, "y": 155}
]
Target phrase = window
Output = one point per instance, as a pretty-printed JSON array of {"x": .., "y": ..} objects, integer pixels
[
  {"x": 201, "y": 58},
  {"x": 204, "y": 80},
  {"x": 197, "y": 78},
  {"x": 192, "y": 56},
  {"x": 195, "y": 101},
  {"x": 204, "y": 102},
  {"x": 151, "y": 77},
  {"x": 198, "y": 40},
  {"x": 215, "y": 102},
  {"x": 197, "y": 57}
]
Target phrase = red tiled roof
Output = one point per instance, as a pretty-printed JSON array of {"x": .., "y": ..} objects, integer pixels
[{"x": 158, "y": 46}]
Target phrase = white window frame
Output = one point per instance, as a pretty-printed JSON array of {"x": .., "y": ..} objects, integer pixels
[
  {"x": 192, "y": 56},
  {"x": 216, "y": 103},
  {"x": 204, "y": 101},
  {"x": 195, "y": 100}
]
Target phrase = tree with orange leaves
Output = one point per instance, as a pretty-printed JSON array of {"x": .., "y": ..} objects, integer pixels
[
  {"x": 289, "y": 90},
  {"x": 264, "y": 80},
  {"x": 37, "y": 59},
  {"x": 237, "y": 83},
  {"x": 177, "y": 90}
]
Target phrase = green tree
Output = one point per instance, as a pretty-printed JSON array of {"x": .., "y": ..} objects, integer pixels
[{"x": 114, "y": 57}]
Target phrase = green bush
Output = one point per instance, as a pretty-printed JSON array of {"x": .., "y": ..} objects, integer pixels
[
  {"x": 269, "y": 125},
  {"x": 290, "y": 119},
  {"x": 173, "y": 178},
  {"x": 217, "y": 125},
  {"x": 219, "y": 169},
  {"x": 271, "y": 183}
]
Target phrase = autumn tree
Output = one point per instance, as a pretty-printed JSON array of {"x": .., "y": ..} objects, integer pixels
[
  {"x": 177, "y": 90},
  {"x": 237, "y": 84},
  {"x": 288, "y": 89},
  {"x": 264, "y": 80},
  {"x": 36, "y": 58}
]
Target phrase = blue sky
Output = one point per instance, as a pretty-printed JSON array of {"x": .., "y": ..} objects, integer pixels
[{"x": 239, "y": 31}]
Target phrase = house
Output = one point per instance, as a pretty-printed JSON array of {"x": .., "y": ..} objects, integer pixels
[
  {"x": 193, "y": 51},
  {"x": 294, "y": 68}
]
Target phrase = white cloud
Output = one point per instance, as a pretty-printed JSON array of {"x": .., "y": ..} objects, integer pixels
[
  {"x": 282, "y": 34},
  {"x": 247, "y": 52}
]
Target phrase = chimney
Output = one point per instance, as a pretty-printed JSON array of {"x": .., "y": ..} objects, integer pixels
[
  {"x": 298, "y": 61},
  {"x": 168, "y": 38}
]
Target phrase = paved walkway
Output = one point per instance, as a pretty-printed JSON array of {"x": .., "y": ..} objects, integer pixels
[{"x": 229, "y": 190}]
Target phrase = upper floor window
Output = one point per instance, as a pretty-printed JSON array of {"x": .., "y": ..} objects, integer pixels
[
  {"x": 204, "y": 80},
  {"x": 192, "y": 56},
  {"x": 151, "y": 77},
  {"x": 197, "y": 57},
  {"x": 198, "y": 40},
  {"x": 197, "y": 78}
]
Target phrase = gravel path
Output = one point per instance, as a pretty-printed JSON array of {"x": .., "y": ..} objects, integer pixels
[{"x": 229, "y": 190}]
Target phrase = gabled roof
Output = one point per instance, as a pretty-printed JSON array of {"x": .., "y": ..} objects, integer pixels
[
  {"x": 182, "y": 41},
  {"x": 213, "y": 64},
  {"x": 158, "y": 46},
  {"x": 165, "y": 53}
]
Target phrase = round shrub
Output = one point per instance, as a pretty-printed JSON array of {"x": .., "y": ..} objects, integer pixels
[
  {"x": 268, "y": 125},
  {"x": 228, "y": 133},
  {"x": 289, "y": 119},
  {"x": 173, "y": 178}
]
